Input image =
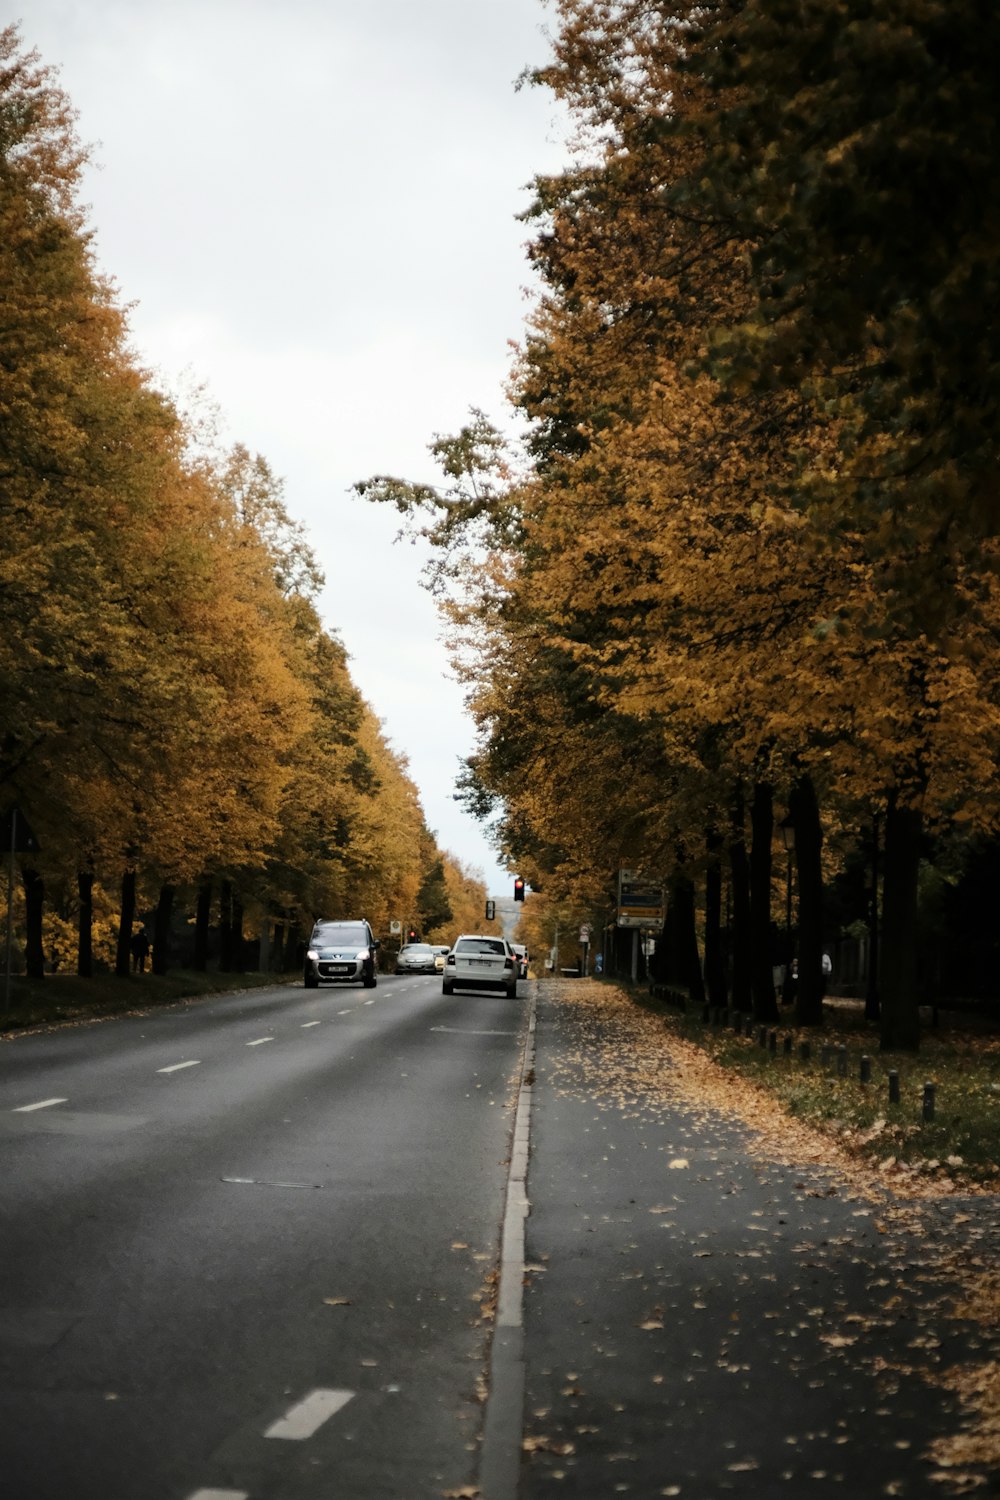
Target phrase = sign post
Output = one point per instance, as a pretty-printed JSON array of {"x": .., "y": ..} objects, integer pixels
[{"x": 641, "y": 902}]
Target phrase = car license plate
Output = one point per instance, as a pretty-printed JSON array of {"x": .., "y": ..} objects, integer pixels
[
  {"x": 480, "y": 963},
  {"x": 340, "y": 968}
]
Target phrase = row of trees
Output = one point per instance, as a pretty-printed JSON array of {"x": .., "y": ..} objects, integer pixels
[
  {"x": 749, "y": 569},
  {"x": 175, "y": 721}
]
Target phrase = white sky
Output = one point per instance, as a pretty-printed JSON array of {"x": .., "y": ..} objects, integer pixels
[{"x": 312, "y": 205}]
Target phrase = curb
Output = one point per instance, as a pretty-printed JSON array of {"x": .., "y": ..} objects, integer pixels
[{"x": 503, "y": 1427}]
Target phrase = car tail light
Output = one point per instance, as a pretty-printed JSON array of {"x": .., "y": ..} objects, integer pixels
[
  {"x": 450, "y": 959},
  {"x": 508, "y": 963}
]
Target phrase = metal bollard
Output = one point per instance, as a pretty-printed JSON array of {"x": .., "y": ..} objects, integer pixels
[
  {"x": 805, "y": 1051},
  {"x": 787, "y": 1049},
  {"x": 930, "y": 1094},
  {"x": 893, "y": 1086},
  {"x": 842, "y": 1061},
  {"x": 866, "y": 1069},
  {"x": 772, "y": 1043},
  {"x": 825, "y": 1054},
  {"x": 761, "y": 1036}
]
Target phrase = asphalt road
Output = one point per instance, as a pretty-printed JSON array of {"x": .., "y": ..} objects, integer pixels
[{"x": 245, "y": 1252}]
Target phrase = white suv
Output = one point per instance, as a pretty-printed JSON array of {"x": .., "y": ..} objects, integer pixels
[{"x": 478, "y": 961}]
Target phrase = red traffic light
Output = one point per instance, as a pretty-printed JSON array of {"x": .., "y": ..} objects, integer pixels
[
  {"x": 518, "y": 888},
  {"x": 411, "y": 936}
]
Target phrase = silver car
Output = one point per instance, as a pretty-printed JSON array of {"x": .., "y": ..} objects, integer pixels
[
  {"x": 480, "y": 961},
  {"x": 415, "y": 958}
]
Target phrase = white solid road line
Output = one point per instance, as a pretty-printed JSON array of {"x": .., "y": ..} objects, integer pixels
[
  {"x": 305, "y": 1418},
  {"x": 468, "y": 1031},
  {"x": 260, "y": 1041},
  {"x": 25, "y": 1109},
  {"x": 176, "y": 1067}
]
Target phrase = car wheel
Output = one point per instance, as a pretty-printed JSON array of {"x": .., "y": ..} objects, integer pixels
[
  {"x": 371, "y": 980},
  {"x": 512, "y": 991},
  {"x": 447, "y": 988},
  {"x": 311, "y": 981}
]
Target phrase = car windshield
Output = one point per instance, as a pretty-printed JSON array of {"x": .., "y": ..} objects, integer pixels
[
  {"x": 340, "y": 934},
  {"x": 480, "y": 945},
  {"x": 416, "y": 948}
]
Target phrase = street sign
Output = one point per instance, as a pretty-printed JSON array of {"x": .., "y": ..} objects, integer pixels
[
  {"x": 395, "y": 926},
  {"x": 585, "y": 934},
  {"x": 641, "y": 902}
]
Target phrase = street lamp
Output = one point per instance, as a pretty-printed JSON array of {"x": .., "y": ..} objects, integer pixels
[{"x": 787, "y": 827}]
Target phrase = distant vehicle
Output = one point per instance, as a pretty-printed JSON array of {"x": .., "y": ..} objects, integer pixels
[
  {"x": 341, "y": 953},
  {"x": 480, "y": 961},
  {"x": 522, "y": 959},
  {"x": 440, "y": 954},
  {"x": 415, "y": 958}
]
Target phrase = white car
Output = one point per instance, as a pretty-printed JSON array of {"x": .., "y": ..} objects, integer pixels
[{"x": 480, "y": 961}]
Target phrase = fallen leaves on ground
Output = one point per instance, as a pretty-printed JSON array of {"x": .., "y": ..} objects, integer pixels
[{"x": 628, "y": 1060}]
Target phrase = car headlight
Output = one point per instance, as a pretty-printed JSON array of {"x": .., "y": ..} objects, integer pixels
[
  {"x": 312, "y": 954},
  {"x": 362, "y": 953}
]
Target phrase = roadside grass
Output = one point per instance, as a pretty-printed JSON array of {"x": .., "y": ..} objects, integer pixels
[
  {"x": 960, "y": 1058},
  {"x": 62, "y": 998}
]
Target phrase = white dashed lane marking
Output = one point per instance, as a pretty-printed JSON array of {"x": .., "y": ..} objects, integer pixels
[
  {"x": 260, "y": 1041},
  {"x": 25, "y": 1109},
  {"x": 307, "y": 1024},
  {"x": 308, "y": 1415},
  {"x": 220, "y": 1495},
  {"x": 176, "y": 1067}
]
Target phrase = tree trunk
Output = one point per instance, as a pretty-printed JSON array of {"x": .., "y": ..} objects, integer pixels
[
  {"x": 125, "y": 924},
  {"x": 872, "y": 1004},
  {"x": 715, "y": 967},
  {"x": 740, "y": 873},
  {"x": 226, "y": 928},
  {"x": 85, "y": 924},
  {"x": 900, "y": 1018},
  {"x": 202, "y": 921},
  {"x": 34, "y": 908},
  {"x": 161, "y": 930},
  {"x": 238, "y": 960},
  {"x": 765, "y": 1005},
  {"x": 804, "y": 811},
  {"x": 686, "y": 956}
]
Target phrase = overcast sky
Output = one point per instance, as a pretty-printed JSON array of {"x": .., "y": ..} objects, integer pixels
[{"x": 313, "y": 207}]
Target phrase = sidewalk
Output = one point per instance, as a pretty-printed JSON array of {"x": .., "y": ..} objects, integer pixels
[{"x": 704, "y": 1320}]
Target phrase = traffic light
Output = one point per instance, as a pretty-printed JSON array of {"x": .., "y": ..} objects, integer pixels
[
  {"x": 518, "y": 888},
  {"x": 491, "y": 910},
  {"x": 411, "y": 936}
]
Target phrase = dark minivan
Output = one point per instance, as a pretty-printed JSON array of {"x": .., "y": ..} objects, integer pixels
[{"x": 341, "y": 953}]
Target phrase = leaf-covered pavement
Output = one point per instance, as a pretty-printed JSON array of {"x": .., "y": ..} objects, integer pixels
[{"x": 724, "y": 1301}]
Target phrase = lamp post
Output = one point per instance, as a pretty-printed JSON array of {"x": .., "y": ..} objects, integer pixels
[{"x": 787, "y": 827}]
